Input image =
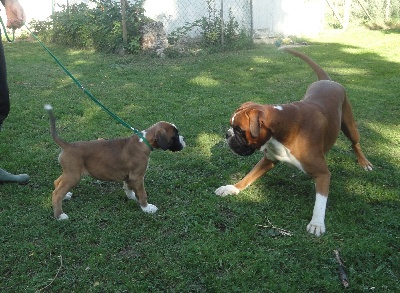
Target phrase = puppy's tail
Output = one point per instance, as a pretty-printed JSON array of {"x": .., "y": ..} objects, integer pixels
[
  {"x": 321, "y": 74},
  {"x": 53, "y": 131}
]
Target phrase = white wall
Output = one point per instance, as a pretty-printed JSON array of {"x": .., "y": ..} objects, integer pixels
[{"x": 274, "y": 17}]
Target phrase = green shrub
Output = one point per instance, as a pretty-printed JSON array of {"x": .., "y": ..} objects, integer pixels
[{"x": 99, "y": 28}]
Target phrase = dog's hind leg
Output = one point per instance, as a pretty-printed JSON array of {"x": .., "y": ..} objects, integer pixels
[
  {"x": 61, "y": 191},
  {"x": 349, "y": 129},
  {"x": 56, "y": 183},
  {"x": 129, "y": 192}
]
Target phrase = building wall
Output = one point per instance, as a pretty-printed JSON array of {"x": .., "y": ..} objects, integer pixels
[
  {"x": 288, "y": 17},
  {"x": 270, "y": 17}
]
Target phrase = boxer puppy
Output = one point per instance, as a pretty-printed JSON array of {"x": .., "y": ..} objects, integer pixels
[
  {"x": 121, "y": 160},
  {"x": 299, "y": 133}
]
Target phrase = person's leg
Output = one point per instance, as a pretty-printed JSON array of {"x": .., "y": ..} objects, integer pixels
[
  {"x": 4, "y": 110},
  {"x": 4, "y": 93}
]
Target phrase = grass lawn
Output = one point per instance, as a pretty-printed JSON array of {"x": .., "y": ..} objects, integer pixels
[{"x": 198, "y": 242}]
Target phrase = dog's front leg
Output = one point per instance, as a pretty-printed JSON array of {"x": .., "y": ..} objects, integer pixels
[
  {"x": 259, "y": 169},
  {"x": 317, "y": 223},
  {"x": 134, "y": 189}
]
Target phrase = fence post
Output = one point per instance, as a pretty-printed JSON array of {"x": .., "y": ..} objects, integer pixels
[
  {"x": 124, "y": 29},
  {"x": 251, "y": 20},
  {"x": 222, "y": 22}
]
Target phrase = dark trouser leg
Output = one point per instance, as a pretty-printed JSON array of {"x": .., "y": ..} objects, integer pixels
[
  {"x": 4, "y": 94},
  {"x": 4, "y": 110}
]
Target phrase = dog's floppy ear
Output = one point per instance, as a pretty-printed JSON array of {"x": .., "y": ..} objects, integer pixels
[
  {"x": 162, "y": 139},
  {"x": 254, "y": 123}
]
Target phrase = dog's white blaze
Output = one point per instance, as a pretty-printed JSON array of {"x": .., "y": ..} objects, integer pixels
[
  {"x": 276, "y": 151},
  {"x": 317, "y": 224},
  {"x": 233, "y": 118},
  {"x": 181, "y": 141},
  {"x": 280, "y": 108}
]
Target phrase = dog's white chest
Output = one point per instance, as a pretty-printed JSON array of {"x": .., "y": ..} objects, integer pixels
[{"x": 275, "y": 151}]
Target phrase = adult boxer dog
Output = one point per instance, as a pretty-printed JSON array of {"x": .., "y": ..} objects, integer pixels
[
  {"x": 299, "y": 133},
  {"x": 121, "y": 160}
]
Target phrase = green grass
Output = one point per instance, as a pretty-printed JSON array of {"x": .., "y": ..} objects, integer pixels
[{"x": 198, "y": 242}]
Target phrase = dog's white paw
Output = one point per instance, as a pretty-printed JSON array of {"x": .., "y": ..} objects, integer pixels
[
  {"x": 62, "y": 217},
  {"x": 227, "y": 190},
  {"x": 316, "y": 228},
  {"x": 151, "y": 209},
  {"x": 368, "y": 168},
  {"x": 131, "y": 195},
  {"x": 68, "y": 196}
]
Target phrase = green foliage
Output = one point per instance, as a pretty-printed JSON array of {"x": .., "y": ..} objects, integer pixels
[
  {"x": 214, "y": 30},
  {"x": 375, "y": 14},
  {"x": 98, "y": 28}
]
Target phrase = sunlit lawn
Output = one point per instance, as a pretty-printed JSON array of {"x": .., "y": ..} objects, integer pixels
[{"x": 198, "y": 242}]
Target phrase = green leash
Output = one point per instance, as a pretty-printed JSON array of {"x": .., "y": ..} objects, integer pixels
[
  {"x": 5, "y": 32},
  {"x": 137, "y": 132}
]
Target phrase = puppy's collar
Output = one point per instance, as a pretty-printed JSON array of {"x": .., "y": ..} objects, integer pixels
[{"x": 142, "y": 138}]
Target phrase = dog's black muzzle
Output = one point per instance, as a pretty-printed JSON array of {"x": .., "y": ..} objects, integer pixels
[
  {"x": 236, "y": 140},
  {"x": 177, "y": 143}
]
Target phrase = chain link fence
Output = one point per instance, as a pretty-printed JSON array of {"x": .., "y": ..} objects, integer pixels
[
  {"x": 190, "y": 22},
  {"x": 212, "y": 21}
]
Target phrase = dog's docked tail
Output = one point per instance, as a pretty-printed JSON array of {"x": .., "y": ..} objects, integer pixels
[
  {"x": 321, "y": 74},
  {"x": 53, "y": 131}
]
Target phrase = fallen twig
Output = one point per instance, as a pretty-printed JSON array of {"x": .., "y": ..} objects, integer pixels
[
  {"x": 55, "y": 277},
  {"x": 342, "y": 270},
  {"x": 279, "y": 231}
]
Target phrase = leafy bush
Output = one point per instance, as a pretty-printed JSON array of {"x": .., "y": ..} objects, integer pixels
[{"x": 97, "y": 28}]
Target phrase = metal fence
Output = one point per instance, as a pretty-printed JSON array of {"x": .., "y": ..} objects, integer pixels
[
  {"x": 203, "y": 18},
  {"x": 183, "y": 20}
]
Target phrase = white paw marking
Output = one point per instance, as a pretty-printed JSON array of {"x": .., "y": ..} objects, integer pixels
[
  {"x": 131, "y": 195},
  {"x": 62, "y": 217},
  {"x": 316, "y": 228},
  {"x": 151, "y": 209},
  {"x": 227, "y": 190},
  {"x": 368, "y": 168},
  {"x": 317, "y": 224},
  {"x": 68, "y": 196}
]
